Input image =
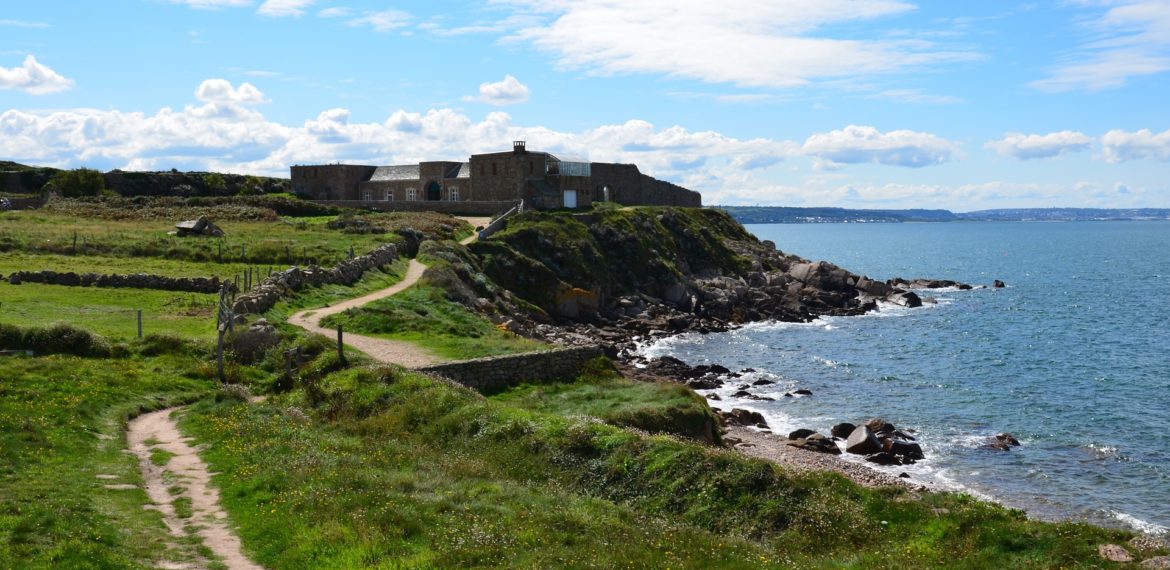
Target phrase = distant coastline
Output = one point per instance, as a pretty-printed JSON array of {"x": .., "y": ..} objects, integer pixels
[{"x": 827, "y": 215}]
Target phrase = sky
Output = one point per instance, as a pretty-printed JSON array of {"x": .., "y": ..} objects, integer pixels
[{"x": 852, "y": 103}]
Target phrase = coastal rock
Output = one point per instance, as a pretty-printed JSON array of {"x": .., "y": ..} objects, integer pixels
[
  {"x": 742, "y": 417},
  {"x": 883, "y": 458},
  {"x": 843, "y": 429},
  {"x": 1114, "y": 553},
  {"x": 1147, "y": 542},
  {"x": 999, "y": 284},
  {"x": 1156, "y": 563},
  {"x": 818, "y": 443},
  {"x": 801, "y": 433},
  {"x": 862, "y": 442},
  {"x": 704, "y": 383},
  {"x": 762, "y": 382},
  {"x": 802, "y": 392},
  {"x": 714, "y": 397},
  {"x": 879, "y": 425},
  {"x": 906, "y": 449},
  {"x": 908, "y": 299},
  {"x": 1007, "y": 438}
]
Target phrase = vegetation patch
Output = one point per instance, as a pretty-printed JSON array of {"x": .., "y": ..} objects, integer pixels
[
  {"x": 423, "y": 315},
  {"x": 601, "y": 392}
]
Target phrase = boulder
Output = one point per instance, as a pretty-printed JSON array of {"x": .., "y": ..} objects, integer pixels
[
  {"x": 1007, "y": 438},
  {"x": 999, "y": 284},
  {"x": 1114, "y": 553},
  {"x": 862, "y": 442},
  {"x": 883, "y": 458},
  {"x": 801, "y": 433},
  {"x": 816, "y": 442},
  {"x": 802, "y": 392},
  {"x": 762, "y": 382},
  {"x": 198, "y": 227},
  {"x": 843, "y": 430},
  {"x": 742, "y": 417},
  {"x": 908, "y": 299},
  {"x": 1156, "y": 563},
  {"x": 906, "y": 449},
  {"x": 704, "y": 383},
  {"x": 879, "y": 425}
]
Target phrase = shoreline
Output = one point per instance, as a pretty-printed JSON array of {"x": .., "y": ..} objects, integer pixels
[{"x": 774, "y": 448}]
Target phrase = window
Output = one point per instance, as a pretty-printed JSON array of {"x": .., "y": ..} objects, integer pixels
[
  {"x": 453, "y": 193},
  {"x": 366, "y": 195},
  {"x": 389, "y": 195},
  {"x": 411, "y": 194}
]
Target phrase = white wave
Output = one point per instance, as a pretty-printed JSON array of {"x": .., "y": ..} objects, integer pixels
[{"x": 1141, "y": 525}]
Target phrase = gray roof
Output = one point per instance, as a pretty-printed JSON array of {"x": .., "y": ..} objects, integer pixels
[
  {"x": 401, "y": 172},
  {"x": 461, "y": 171}
]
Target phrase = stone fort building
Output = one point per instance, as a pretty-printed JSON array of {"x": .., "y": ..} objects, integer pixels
[{"x": 488, "y": 183}]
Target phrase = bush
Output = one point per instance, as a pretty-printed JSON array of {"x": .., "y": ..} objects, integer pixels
[
  {"x": 55, "y": 339},
  {"x": 158, "y": 344},
  {"x": 76, "y": 183}
]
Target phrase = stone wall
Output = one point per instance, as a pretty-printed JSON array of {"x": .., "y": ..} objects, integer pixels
[
  {"x": 498, "y": 372},
  {"x": 330, "y": 181},
  {"x": 628, "y": 186},
  {"x": 134, "y": 280},
  {"x": 265, "y": 295},
  {"x": 447, "y": 207}
]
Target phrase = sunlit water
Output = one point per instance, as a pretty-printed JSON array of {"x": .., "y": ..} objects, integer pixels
[{"x": 1073, "y": 357}]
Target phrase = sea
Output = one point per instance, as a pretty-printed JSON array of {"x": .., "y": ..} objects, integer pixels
[{"x": 1072, "y": 357}]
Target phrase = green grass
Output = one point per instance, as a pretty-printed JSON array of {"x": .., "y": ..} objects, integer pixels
[
  {"x": 13, "y": 261},
  {"x": 61, "y": 425},
  {"x": 160, "y": 457},
  {"x": 390, "y": 469},
  {"x": 277, "y": 242},
  {"x": 313, "y": 297},
  {"x": 651, "y": 406},
  {"x": 423, "y": 315},
  {"x": 109, "y": 312}
]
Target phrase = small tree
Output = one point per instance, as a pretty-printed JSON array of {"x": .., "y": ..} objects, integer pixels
[
  {"x": 76, "y": 183},
  {"x": 214, "y": 182},
  {"x": 253, "y": 186}
]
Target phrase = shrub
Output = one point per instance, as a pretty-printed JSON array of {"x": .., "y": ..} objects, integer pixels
[
  {"x": 76, "y": 183},
  {"x": 57, "y": 338}
]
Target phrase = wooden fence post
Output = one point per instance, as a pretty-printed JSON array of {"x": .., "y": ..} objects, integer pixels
[
  {"x": 140, "y": 324},
  {"x": 340, "y": 346}
]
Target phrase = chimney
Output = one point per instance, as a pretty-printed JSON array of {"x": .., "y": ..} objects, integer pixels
[{"x": 518, "y": 147}]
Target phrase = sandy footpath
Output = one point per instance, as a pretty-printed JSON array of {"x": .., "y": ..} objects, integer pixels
[{"x": 186, "y": 471}]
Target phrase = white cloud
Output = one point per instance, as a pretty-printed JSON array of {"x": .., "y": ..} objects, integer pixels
[
  {"x": 22, "y": 24},
  {"x": 508, "y": 91},
  {"x": 915, "y": 96},
  {"x": 1122, "y": 146},
  {"x": 742, "y": 42},
  {"x": 1131, "y": 39},
  {"x": 33, "y": 78},
  {"x": 1025, "y": 147},
  {"x": 384, "y": 21},
  {"x": 221, "y": 91},
  {"x": 213, "y": 4},
  {"x": 284, "y": 8},
  {"x": 335, "y": 12},
  {"x": 862, "y": 144}
]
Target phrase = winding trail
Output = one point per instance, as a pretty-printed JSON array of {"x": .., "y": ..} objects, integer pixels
[
  {"x": 390, "y": 351},
  {"x": 187, "y": 476}
]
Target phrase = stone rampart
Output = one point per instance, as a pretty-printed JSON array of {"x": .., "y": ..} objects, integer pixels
[
  {"x": 458, "y": 207},
  {"x": 498, "y": 372},
  {"x": 263, "y": 296}
]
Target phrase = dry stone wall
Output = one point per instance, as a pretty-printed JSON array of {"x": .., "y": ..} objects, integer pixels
[
  {"x": 498, "y": 372},
  {"x": 134, "y": 280},
  {"x": 265, "y": 295}
]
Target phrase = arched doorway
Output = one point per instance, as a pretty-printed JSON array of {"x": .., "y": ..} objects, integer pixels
[{"x": 434, "y": 194}]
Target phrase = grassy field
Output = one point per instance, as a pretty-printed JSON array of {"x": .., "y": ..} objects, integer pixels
[
  {"x": 62, "y": 420},
  {"x": 276, "y": 242},
  {"x": 387, "y": 469},
  {"x": 109, "y": 312},
  {"x": 423, "y": 315}
]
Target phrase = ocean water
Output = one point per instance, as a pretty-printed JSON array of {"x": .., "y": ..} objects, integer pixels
[{"x": 1073, "y": 357}]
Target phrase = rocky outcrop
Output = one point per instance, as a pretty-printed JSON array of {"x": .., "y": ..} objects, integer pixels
[
  {"x": 114, "y": 280},
  {"x": 816, "y": 442},
  {"x": 1003, "y": 442},
  {"x": 265, "y": 295},
  {"x": 862, "y": 442},
  {"x": 198, "y": 227},
  {"x": 742, "y": 417}
]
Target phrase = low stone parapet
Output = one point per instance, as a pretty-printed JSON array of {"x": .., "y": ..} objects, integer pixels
[
  {"x": 132, "y": 281},
  {"x": 265, "y": 295}
]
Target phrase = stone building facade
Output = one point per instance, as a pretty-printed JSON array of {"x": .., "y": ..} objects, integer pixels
[{"x": 542, "y": 180}]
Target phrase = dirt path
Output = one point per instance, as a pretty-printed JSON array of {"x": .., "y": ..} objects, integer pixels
[
  {"x": 385, "y": 350},
  {"x": 183, "y": 476}
]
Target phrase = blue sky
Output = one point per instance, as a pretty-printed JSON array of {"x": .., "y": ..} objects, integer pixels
[{"x": 856, "y": 103}]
